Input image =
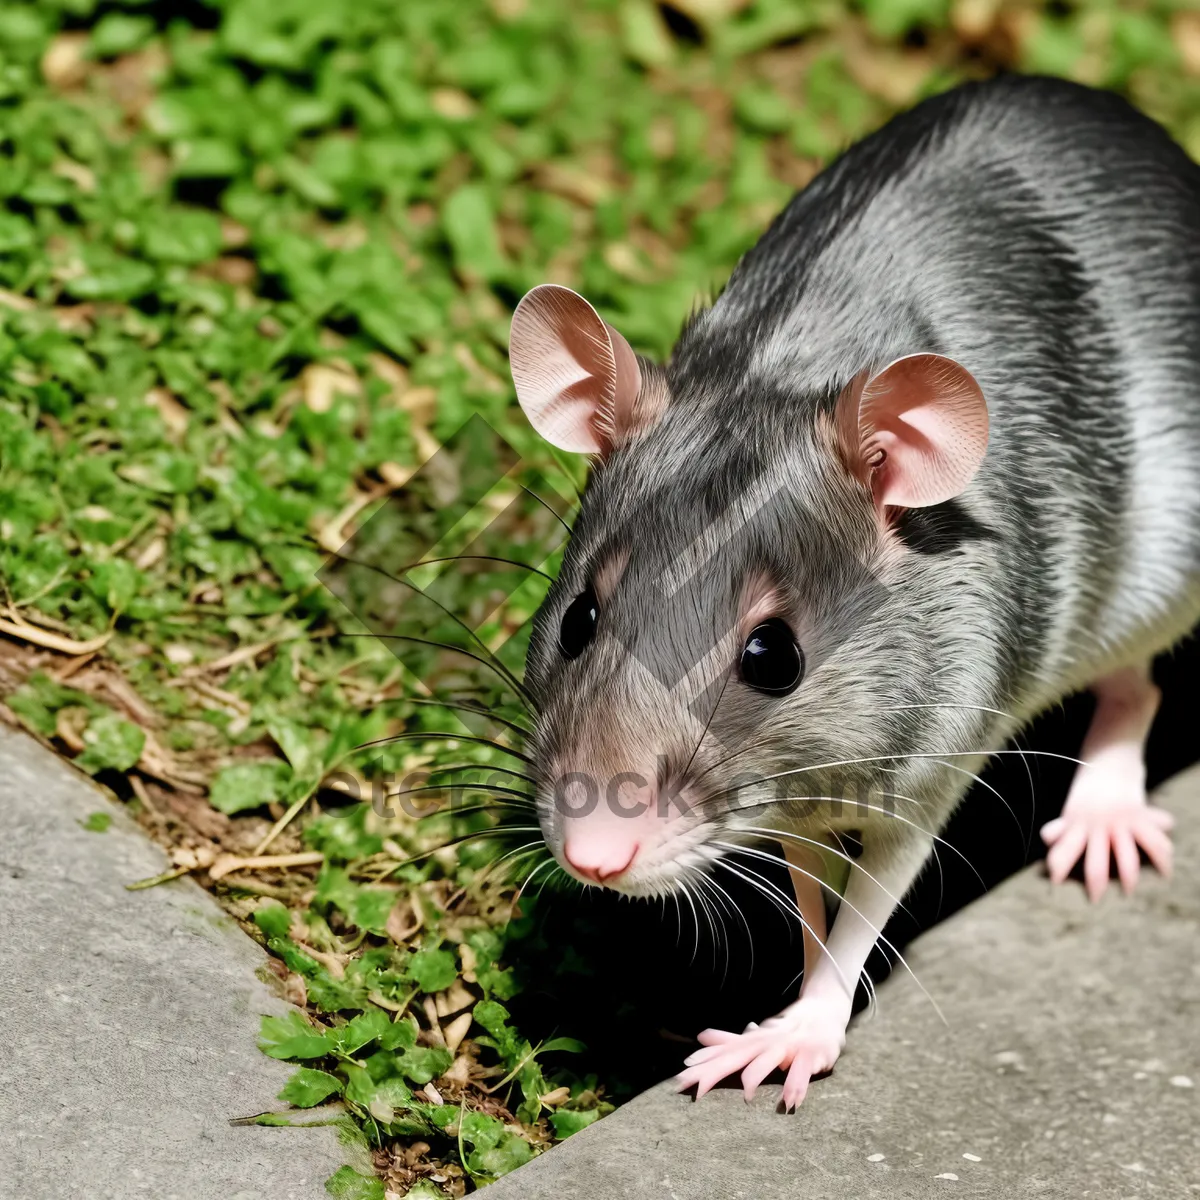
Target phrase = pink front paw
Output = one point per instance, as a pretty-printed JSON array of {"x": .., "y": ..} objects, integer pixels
[
  {"x": 1099, "y": 832},
  {"x": 806, "y": 1039}
]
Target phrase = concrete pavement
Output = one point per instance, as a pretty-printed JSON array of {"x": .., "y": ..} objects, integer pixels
[
  {"x": 129, "y": 1018},
  {"x": 1068, "y": 1066}
]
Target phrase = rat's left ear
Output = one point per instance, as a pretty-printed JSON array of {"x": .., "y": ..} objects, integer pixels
[
  {"x": 916, "y": 431},
  {"x": 577, "y": 378}
]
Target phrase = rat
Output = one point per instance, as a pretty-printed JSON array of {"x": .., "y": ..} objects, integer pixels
[{"x": 929, "y": 464}]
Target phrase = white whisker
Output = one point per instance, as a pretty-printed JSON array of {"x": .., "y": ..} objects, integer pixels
[
  {"x": 937, "y": 840},
  {"x": 737, "y": 912},
  {"x": 879, "y": 933},
  {"x": 705, "y": 901},
  {"x": 984, "y": 784},
  {"x": 880, "y": 758},
  {"x": 683, "y": 889},
  {"x": 530, "y": 877},
  {"x": 853, "y": 862},
  {"x": 713, "y": 906},
  {"x": 784, "y": 903}
]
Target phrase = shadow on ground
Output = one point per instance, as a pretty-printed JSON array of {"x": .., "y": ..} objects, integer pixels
[{"x": 641, "y": 985}]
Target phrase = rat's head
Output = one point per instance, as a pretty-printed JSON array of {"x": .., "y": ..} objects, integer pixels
[{"x": 731, "y": 616}]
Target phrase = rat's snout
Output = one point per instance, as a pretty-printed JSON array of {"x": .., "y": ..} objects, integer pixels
[
  {"x": 598, "y": 861},
  {"x": 605, "y": 823}
]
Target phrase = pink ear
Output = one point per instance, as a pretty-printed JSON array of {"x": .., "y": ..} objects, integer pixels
[
  {"x": 577, "y": 378},
  {"x": 922, "y": 430}
]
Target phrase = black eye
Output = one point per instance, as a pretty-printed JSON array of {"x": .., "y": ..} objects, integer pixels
[
  {"x": 771, "y": 660},
  {"x": 578, "y": 624}
]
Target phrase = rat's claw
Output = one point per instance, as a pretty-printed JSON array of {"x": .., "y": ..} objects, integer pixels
[
  {"x": 795, "y": 1086},
  {"x": 761, "y": 1067},
  {"x": 703, "y": 1077}
]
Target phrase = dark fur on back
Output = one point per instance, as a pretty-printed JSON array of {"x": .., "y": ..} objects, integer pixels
[{"x": 1051, "y": 235}]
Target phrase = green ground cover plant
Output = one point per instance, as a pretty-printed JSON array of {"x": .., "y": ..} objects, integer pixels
[{"x": 257, "y": 259}]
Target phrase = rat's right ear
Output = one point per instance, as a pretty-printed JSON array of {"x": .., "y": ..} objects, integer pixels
[
  {"x": 915, "y": 432},
  {"x": 577, "y": 378}
]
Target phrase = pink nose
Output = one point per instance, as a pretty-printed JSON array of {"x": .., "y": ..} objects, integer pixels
[{"x": 597, "y": 861}]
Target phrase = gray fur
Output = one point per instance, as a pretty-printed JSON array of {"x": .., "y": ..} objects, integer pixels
[{"x": 1048, "y": 238}]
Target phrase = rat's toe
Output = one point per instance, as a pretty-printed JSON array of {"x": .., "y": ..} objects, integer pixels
[
  {"x": 795, "y": 1086},
  {"x": 716, "y": 1037}
]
